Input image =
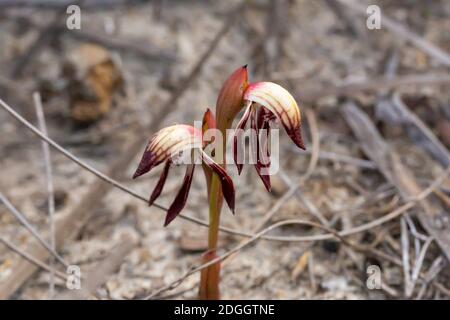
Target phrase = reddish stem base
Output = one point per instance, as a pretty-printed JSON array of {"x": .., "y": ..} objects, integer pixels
[{"x": 209, "y": 278}]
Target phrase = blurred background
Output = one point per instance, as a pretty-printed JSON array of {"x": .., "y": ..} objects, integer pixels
[{"x": 375, "y": 101}]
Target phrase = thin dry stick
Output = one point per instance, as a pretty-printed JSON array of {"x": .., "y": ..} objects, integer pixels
[
  {"x": 315, "y": 154},
  {"x": 436, "y": 267},
  {"x": 315, "y": 137},
  {"x": 310, "y": 207},
  {"x": 394, "y": 214},
  {"x": 116, "y": 43},
  {"x": 224, "y": 256},
  {"x": 72, "y": 157},
  {"x": 315, "y": 92},
  {"x": 395, "y": 172},
  {"x": 275, "y": 208},
  {"x": 443, "y": 197},
  {"x": 312, "y": 278},
  {"x": 416, "y": 234},
  {"x": 49, "y": 180},
  {"x": 345, "y": 17},
  {"x": 360, "y": 248},
  {"x": 96, "y": 276},
  {"x": 257, "y": 236},
  {"x": 419, "y": 132},
  {"x": 418, "y": 265},
  {"x": 62, "y": 4},
  {"x": 31, "y": 259},
  {"x": 405, "y": 257},
  {"x": 401, "y": 31},
  {"x": 326, "y": 155},
  {"x": 21, "y": 218}
]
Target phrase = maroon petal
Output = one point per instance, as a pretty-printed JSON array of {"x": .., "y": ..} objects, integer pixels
[
  {"x": 208, "y": 121},
  {"x": 265, "y": 117},
  {"x": 259, "y": 165},
  {"x": 225, "y": 180},
  {"x": 160, "y": 185},
  {"x": 180, "y": 200},
  {"x": 238, "y": 137},
  {"x": 296, "y": 136},
  {"x": 264, "y": 153},
  {"x": 146, "y": 164},
  {"x": 256, "y": 151}
]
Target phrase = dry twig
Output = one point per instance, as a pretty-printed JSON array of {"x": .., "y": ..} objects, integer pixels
[
  {"x": 101, "y": 272},
  {"x": 405, "y": 258},
  {"x": 392, "y": 215},
  {"x": 294, "y": 188},
  {"x": 31, "y": 259},
  {"x": 394, "y": 171},
  {"x": 21, "y": 218},
  {"x": 49, "y": 181},
  {"x": 403, "y": 32},
  {"x": 373, "y": 85}
]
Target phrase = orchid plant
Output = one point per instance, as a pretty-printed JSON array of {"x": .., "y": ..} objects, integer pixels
[{"x": 264, "y": 103}]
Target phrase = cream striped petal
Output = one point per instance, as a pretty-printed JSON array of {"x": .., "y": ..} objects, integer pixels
[
  {"x": 281, "y": 103},
  {"x": 166, "y": 143}
]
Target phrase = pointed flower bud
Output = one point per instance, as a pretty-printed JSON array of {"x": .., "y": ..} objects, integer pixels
[
  {"x": 230, "y": 100},
  {"x": 208, "y": 122}
]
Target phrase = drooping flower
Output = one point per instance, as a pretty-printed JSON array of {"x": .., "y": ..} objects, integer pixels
[
  {"x": 167, "y": 146},
  {"x": 267, "y": 102}
]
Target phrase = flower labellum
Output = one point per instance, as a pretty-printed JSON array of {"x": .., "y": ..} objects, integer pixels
[{"x": 165, "y": 146}]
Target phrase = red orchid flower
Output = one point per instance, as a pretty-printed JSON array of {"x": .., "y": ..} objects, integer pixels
[
  {"x": 167, "y": 145},
  {"x": 264, "y": 103},
  {"x": 267, "y": 102}
]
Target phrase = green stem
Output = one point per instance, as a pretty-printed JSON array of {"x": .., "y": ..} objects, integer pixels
[
  {"x": 210, "y": 276},
  {"x": 216, "y": 196},
  {"x": 214, "y": 212}
]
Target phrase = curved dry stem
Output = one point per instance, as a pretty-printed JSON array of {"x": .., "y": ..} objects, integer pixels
[
  {"x": 239, "y": 247},
  {"x": 21, "y": 218},
  {"x": 49, "y": 182},
  {"x": 394, "y": 214},
  {"x": 32, "y": 259}
]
